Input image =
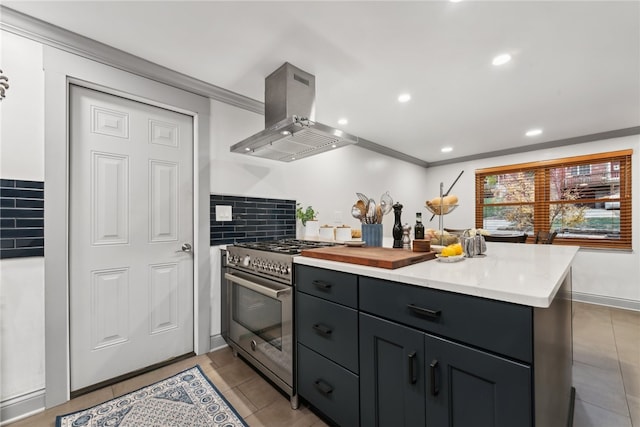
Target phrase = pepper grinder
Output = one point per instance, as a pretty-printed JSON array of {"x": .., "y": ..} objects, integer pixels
[
  {"x": 397, "y": 226},
  {"x": 406, "y": 240}
]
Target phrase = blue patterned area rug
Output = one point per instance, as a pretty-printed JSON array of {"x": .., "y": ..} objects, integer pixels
[{"x": 186, "y": 399}]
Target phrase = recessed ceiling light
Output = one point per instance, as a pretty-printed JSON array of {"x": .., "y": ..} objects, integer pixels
[
  {"x": 247, "y": 149},
  {"x": 285, "y": 132},
  {"x": 343, "y": 121},
  {"x": 501, "y": 59},
  {"x": 534, "y": 132},
  {"x": 334, "y": 145},
  {"x": 446, "y": 149},
  {"x": 405, "y": 97}
]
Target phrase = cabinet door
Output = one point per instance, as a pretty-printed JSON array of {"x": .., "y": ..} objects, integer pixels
[
  {"x": 392, "y": 380},
  {"x": 468, "y": 387}
]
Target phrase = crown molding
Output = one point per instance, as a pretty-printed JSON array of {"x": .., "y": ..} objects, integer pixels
[
  {"x": 600, "y": 136},
  {"x": 43, "y": 32}
]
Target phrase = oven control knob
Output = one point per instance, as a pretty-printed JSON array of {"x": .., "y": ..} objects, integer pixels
[
  {"x": 246, "y": 260},
  {"x": 253, "y": 345}
]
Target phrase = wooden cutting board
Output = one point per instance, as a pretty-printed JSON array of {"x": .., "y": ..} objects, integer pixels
[{"x": 371, "y": 256}]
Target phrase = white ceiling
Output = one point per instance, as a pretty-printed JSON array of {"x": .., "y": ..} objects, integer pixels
[{"x": 575, "y": 69}]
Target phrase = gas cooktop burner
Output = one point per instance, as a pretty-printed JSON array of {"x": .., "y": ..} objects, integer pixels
[{"x": 287, "y": 246}]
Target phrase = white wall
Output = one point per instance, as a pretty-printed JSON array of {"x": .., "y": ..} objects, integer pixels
[
  {"x": 21, "y": 326},
  {"x": 22, "y": 279},
  {"x": 22, "y": 111},
  {"x": 614, "y": 275},
  {"x": 327, "y": 181}
]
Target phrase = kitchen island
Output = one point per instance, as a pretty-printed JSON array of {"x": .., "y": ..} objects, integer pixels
[{"x": 484, "y": 341}]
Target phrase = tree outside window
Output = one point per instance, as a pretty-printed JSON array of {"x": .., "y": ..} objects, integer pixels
[{"x": 586, "y": 199}]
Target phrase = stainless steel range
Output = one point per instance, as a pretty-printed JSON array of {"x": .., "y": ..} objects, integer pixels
[{"x": 259, "y": 285}]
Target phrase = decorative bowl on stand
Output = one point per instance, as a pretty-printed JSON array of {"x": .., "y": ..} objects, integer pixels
[
  {"x": 441, "y": 210},
  {"x": 436, "y": 209}
]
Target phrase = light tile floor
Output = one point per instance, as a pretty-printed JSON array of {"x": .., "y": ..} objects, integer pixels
[
  {"x": 606, "y": 375},
  {"x": 259, "y": 403},
  {"x": 606, "y": 369}
]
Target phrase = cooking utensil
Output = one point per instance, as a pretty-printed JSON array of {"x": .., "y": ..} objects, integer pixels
[
  {"x": 362, "y": 206},
  {"x": 356, "y": 212},
  {"x": 371, "y": 212},
  {"x": 362, "y": 197},
  {"x": 386, "y": 202},
  {"x": 378, "y": 214}
]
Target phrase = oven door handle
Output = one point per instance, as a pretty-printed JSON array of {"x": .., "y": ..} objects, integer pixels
[{"x": 271, "y": 293}]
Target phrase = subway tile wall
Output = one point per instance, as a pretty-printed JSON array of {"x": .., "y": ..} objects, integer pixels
[
  {"x": 253, "y": 219},
  {"x": 21, "y": 218}
]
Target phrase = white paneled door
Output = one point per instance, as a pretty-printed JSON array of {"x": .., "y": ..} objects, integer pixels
[{"x": 131, "y": 230}]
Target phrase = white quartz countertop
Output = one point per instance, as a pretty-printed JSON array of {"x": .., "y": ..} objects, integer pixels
[{"x": 524, "y": 274}]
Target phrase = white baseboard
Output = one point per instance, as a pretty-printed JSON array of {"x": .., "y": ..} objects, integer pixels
[
  {"x": 217, "y": 342},
  {"x": 22, "y": 406},
  {"x": 626, "y": 304}
]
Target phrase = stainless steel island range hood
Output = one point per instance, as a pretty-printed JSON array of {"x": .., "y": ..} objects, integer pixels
[{"x": 291, "y": 132}]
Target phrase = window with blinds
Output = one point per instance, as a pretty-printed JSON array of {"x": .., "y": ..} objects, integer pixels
[{"x": 586, "y": 199}]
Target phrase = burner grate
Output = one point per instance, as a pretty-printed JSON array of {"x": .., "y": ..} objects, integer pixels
[{"x": 286, "y": 246}]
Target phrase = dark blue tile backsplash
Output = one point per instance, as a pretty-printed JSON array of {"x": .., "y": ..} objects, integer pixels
[
  {"x": 254, "y": 219},
  {"x": 21, "y": 218}
]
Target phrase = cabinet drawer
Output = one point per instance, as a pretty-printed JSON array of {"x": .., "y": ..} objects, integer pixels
[
  {"x": 330, "y": 285},
  {"x": 328, "y": 328},
  {"x": 497, "y": 326},
  {"x": 328, "y": 387}
]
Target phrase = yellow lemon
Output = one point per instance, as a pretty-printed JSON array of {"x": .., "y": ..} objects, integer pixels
[
  {"x": 448, "y": 251},
  {"x": 457, "y": 248}
]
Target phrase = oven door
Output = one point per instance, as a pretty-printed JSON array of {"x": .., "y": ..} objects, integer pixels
[{"x": 260, "y": 321}]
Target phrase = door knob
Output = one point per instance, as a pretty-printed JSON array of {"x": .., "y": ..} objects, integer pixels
[{"x": 186, "y": 247}]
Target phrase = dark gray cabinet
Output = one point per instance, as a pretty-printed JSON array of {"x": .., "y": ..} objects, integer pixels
[
  {"x": 379, "y": 353},
  {"x": 408, "y": 377},
  {"x": 329, "y": 329},
  {"x": 328, "y": 386},
  {"x": 469, "y": 387},
  {"x": 327, "y": 343},
  {"x": 392, "y": 381},
  {"x": 463, "y": 318}
]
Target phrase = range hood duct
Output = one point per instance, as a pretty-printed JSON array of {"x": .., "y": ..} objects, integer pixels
[{"x": 291, "y": 132}]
